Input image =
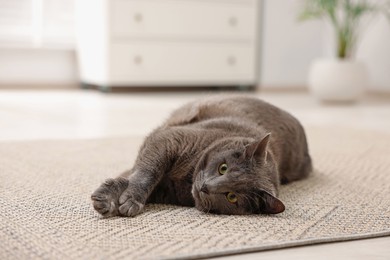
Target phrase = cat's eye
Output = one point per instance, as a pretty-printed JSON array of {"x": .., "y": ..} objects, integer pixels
[
  {"x": 222, "y": 169},
  {"x": 231, "y": 197}
]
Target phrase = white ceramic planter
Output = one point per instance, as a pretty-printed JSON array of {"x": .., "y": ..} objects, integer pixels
[{"x": 334, "y": 80}]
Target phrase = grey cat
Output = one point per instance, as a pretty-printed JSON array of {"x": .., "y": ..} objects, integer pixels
[{"x": 224, "y": 155}]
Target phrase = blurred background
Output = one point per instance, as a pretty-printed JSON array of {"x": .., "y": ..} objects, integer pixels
[
  {"x": 38, "y": 37},
  {"x": 60, "y": 58}
]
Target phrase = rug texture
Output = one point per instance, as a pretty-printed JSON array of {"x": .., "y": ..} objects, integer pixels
[{"x": 46, "y": 211}]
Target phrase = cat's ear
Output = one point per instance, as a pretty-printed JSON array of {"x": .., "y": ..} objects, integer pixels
[
  {"x": 258, "y": 149},
  {"x": 271, "y": 204}
]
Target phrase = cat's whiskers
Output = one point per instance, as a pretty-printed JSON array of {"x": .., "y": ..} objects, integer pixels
[
  {"x": 206, "y": 206},
  {"x": 206, "y": 203}
]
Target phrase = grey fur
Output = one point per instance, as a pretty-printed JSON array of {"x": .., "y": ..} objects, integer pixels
[{"x": 178, "y": 162}]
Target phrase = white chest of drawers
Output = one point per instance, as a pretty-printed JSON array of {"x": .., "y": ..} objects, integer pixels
[{"x": 168, "y": 42}]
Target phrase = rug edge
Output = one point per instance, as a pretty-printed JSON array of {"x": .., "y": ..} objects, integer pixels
[{"x": 285, "y": 245}]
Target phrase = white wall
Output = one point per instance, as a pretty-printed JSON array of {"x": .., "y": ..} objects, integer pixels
[
  {"x": 37, "y": 66},
  {"x": 290, "y": 46},
  {"x": 375, "y": 51}
]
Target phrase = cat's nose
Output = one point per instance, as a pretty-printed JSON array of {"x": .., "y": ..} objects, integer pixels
[{"x": 204, "y": 188}]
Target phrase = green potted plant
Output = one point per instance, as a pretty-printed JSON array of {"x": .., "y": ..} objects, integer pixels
[{"x": 341, "y": 78}]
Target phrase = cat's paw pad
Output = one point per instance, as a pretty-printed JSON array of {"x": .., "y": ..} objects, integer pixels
[
  {"x": 129, "y": 206},
  {"x": 105, "y": 206},
  {"x": 106, "y": 198}
]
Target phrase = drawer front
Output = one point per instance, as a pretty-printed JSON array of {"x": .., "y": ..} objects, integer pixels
[
  {"x": 175, "y": 62},
  {"x": 193, "y": 19}
]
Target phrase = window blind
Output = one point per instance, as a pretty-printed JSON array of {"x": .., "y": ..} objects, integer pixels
[{"x": 37, "y": 23}]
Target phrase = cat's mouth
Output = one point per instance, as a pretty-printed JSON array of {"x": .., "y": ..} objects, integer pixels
[
  {"x": 204, "y": 189},
  {"x": 202, "y": 201}
]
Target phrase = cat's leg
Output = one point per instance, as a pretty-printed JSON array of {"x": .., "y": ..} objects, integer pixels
[
  {"x": 154, "y": 159},
  {"x": 133, "y": 199}
]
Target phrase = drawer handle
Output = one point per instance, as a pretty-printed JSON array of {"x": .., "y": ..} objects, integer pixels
[
  {"x": 138, "y": 17},
  {"x": 138, "y": 60},
  {"x": 233, "y": 21},
  {"x": 231, "y": 60}
]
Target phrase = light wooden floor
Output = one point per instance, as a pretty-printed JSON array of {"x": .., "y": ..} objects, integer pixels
[{"x": 70, "y": 114}]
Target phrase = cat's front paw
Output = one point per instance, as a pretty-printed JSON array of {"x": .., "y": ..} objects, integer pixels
[
  {"x": 106, "y": 198},
  {"x": 130, "y": 205}
]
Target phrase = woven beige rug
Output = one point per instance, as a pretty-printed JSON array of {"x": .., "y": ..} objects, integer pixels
[{"x": 46, "y": 211}]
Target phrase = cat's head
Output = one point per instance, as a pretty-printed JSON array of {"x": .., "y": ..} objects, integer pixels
[{"x": 237, "y": 176}]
